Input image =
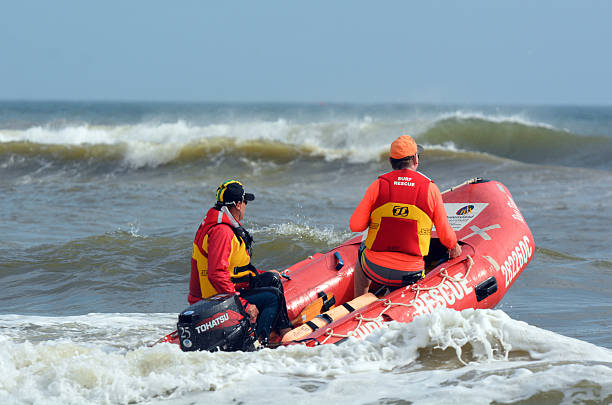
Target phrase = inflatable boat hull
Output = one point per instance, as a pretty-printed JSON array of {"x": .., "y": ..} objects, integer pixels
[{"x": 496, "y": 244}]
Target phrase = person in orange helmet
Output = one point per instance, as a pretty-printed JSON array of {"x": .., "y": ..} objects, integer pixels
[
  {"x": 221, "y": 263},
  {"x": 399, "y": 209}
]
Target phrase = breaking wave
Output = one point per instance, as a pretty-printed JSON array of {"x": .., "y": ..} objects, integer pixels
[
  {"x": 136, "y": 146},
  {"x": 519, "y": 141}
]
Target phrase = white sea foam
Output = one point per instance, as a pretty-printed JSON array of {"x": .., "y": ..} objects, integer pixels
[
  {"x": 497, "y": 118},
  {"x": 488, "y": 357},
  {"x": 295, "y": 231}
]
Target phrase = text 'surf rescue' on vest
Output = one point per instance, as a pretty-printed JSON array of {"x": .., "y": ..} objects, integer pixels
[{"x": 403, "y": 181}]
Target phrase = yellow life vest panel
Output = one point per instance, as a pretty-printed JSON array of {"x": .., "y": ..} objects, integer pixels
[{"x": 239, "y": 258}]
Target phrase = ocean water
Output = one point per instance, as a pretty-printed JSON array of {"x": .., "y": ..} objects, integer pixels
[{"x": 100, "y": 203}]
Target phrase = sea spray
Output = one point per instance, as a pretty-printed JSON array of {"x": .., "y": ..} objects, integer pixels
[{"x": 73, "y": 370}]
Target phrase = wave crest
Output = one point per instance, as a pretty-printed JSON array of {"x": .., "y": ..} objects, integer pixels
[{"x": 283, "y": 141}]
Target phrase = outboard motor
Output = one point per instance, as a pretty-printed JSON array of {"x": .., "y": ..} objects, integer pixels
[{"x": 216, "y": 323}]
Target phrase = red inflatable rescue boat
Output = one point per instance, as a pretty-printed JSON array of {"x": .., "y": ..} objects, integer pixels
[{"x": 496, "y": 246}]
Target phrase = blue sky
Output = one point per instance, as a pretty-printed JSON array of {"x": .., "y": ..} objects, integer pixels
[{"x": 474, "y": 52}]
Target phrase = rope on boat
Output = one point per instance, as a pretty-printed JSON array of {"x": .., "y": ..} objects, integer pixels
[
  {"x": 445, "y": 276},
  {"x": 388, "y": 303}
]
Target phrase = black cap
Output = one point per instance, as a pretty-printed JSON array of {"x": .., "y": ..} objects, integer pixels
[{"x": 232, "y": 191}]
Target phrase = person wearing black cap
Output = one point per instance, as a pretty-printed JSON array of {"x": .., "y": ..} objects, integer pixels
[{"x": 221, "y": 263}]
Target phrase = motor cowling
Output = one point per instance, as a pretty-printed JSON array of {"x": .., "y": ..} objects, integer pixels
[{"x": 216, "y": 323}]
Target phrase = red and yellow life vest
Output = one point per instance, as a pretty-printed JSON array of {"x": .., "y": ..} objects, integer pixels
[
  {"x": 401, "y": 220},
  {"x": 199, "y": 285}
]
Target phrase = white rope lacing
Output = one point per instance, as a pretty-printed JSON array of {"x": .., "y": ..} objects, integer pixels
[{"x": 387, "y": 303}]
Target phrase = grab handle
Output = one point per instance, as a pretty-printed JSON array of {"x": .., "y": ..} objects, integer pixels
[{"x": 340, "y": 262}]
